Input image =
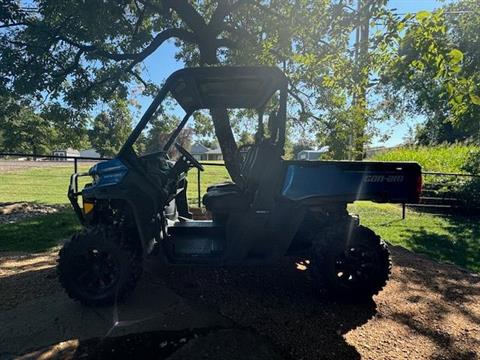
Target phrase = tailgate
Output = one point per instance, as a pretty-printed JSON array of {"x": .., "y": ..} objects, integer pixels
[{"x": 347, "y": 181}]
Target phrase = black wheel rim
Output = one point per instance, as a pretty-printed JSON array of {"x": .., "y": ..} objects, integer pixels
[
  {"x": 95, "y": 272},
  {"x": 355, "y": 266}
]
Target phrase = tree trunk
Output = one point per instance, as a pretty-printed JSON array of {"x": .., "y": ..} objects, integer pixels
[
  {"x": 34, "y": 150},
  {"x": 363, "y": 78},
  {"x": 221, "y": 122},
  {"x": 224, "y": 134}
]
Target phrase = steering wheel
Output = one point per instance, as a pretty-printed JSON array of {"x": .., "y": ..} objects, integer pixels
[{"x": 189, "y": 157}]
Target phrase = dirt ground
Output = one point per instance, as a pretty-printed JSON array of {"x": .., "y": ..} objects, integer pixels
[
  {"x": 427, "y": 311},
  {"x": 16, "y": 211}
]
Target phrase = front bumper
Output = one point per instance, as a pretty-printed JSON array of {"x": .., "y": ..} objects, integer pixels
[{"x": 73, "y": 195}]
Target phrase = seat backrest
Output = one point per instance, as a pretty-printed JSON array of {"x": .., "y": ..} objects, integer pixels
[
  {"x": 258, "y": 161},
  {"x": 248, "y": 161}
]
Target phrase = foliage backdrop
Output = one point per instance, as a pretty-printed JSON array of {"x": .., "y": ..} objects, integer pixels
[{"x": 60, "y": 59}]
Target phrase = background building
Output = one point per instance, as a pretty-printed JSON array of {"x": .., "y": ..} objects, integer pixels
[
  {"x": 202, "y": 153},
  {"x": 61, "y": 153},
  {"x": 312, "y": 154}
]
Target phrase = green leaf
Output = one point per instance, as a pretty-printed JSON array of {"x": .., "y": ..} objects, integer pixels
[
  {"x": 458, "y": 99},
  {"x": 456, "y": 56},
  {"x": 456, "y": 68},
  {"x": 449, "y": 87},
  {"x": 475, "y": 99},
  {"x": 422, "y": 15}
]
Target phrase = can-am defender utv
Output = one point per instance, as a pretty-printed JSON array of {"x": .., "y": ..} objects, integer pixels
[{"x": 279, "y": 207}]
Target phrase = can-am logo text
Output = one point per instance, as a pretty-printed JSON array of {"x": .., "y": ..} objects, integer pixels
[{"x": 383, "y": 178}]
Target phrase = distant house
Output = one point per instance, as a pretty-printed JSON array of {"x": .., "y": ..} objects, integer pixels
[
  {"x": 62, "y": 153},
  {"x": 203, "y": 153},
  {"x": 91, "y": 153},
  {"x": 312, "y": 154}
]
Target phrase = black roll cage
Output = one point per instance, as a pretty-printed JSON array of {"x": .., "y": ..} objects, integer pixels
[{"x": 190, "y": 87}]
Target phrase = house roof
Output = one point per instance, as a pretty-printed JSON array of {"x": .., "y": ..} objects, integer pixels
[
  {"x": 214, "y": 151},
  {"x": 90, "y": 153},
  {"x": 199, "y": 148},
  {"x": 319, "y": 151},
  {"x": 68, "y": 150}
]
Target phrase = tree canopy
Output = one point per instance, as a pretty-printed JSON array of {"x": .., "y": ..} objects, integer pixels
[
  {"x": 436, "y": 72},
  {"x": 111, "y": 128},
  {"x": 351, "y": 65}
]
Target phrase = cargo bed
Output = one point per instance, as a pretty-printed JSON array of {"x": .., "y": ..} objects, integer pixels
[{"x": 348, "y": 181}]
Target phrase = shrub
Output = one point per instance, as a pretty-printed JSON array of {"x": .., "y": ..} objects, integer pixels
[
  {"x": 456, "y": 158},
  {"x": 469, "y": 194},
  {"x": 472, "y": 163},
  {"x": 448, "y": 158}
]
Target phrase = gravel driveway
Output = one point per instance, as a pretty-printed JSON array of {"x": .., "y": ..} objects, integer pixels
[{"x": 427, "y": 311}]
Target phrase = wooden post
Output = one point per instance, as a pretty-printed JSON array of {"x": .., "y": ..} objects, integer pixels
[
  {"x": 198, "y": 188},
  {"x": 403, "y": 211},
  {"x": 75, "y": 169}
]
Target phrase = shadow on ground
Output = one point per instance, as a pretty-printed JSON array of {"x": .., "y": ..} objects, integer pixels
[
  {"x": 258, "y": 305},
  {"x": 279, "y": 302},
  {"x": 427, "y": 311}
]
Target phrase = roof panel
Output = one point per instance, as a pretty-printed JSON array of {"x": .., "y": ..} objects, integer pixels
[{"x": 227, "y": 86}]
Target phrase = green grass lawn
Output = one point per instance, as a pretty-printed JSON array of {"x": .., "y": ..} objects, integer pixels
[
  {"x": 454, "y": 239},
  {"x": 39, "y": 233},
  {"x": 49, "y": 185},
  {"x": 446, "y": 238},
  {"x": 211, "y": 175}
]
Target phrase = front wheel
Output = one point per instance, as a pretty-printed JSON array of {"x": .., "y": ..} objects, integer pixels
[
  {"x": 98, "y": 266},
  {"x": 355, "y": 266}
]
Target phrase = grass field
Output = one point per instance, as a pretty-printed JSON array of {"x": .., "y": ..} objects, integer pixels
[
  {"x": 454, "y": 239},
  {"x": 441, "y": 158},
  {"x": 446, "y": 238},
  {"x": 211, "y": 175},
  {"x": 39, "y": 233},
  {"x": 48, "y": 185}
]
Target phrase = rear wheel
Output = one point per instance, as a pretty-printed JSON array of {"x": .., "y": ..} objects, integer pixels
[
  {"x": 98, "y": 266},
  {"x": 355, "y": 266}
]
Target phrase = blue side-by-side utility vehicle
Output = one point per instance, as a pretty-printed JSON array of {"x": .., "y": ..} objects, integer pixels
[{"x": 136, "y": 204}]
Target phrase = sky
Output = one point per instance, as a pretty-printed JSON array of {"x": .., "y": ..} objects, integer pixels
[
  {"x": 399, "y": 132},
  {"x": 162, "y": 63}
]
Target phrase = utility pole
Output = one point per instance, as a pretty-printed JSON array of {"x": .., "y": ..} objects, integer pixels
[{"x": 362, "y": 33}]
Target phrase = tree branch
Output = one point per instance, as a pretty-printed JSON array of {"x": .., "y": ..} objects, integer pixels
[
  {"x": 13, "y": 25},
  {"x": 139, "y": 78},
  {"x": 223, "y": 9},
  {"x": 140, "y": 19},
  {"x": 302, "y": 105},
  {"x": 180, "y": 34},
  {"x": 73, "y": 66},
  {"x": 226, "y": 43},
  {"x": 140, "y": 56},
  {"x": 189, "y": 15}
]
